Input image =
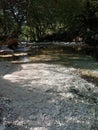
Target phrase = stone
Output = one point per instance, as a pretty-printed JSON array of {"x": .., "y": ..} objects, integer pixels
[
  {"x": 2, "y": 127},
  {"x": 38, "y": 128}
]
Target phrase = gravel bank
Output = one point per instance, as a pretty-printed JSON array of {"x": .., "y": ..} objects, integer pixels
[{"x": 46, "y": 97}]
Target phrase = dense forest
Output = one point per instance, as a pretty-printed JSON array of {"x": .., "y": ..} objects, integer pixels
[{"x": 35, "y": 20}]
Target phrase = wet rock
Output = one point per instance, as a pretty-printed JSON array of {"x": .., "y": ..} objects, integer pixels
[
  {"x": 9, "y": 124},
  {"x": 7, "y": 113},
  {"x": 33, "y": 117},
  {"x": 1, "y": 110},
  {"x": 49, "y": 104},
  {"x": 2, "y": 127},
  {"x": 95, "y": 92},
  {"x": 73, "y": 90},
  {"x": 38, "y": 128}
]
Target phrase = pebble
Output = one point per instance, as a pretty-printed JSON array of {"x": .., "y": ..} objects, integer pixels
[
  {"x": 56, "y": 99},
  {"x": 2, "y": 127},
  {"x": 38, "y": 128}
]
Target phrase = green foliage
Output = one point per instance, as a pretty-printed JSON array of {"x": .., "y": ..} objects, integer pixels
[{"x": 36, "y": 18}]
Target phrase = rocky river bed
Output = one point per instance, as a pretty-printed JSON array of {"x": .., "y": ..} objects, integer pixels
[{"x": 46, "y": 96}]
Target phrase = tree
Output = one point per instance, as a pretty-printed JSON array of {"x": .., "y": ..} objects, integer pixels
[{"x": 42, "y": 17}]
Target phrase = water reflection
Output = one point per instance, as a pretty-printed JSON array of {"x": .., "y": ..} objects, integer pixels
[
  {"x": 15, "y": 58},
  {"x": 24, "y": 59}
]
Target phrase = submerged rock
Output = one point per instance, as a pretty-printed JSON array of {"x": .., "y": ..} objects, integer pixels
[{"x": 2, "y": 127}]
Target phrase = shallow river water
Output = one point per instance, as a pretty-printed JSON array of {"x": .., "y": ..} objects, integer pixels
[{"x": 47, "y": 92}]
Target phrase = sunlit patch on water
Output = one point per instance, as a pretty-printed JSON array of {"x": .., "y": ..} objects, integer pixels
[
  {"x": 24, "y": 59},
  {"x": 39, "y": 128}
]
